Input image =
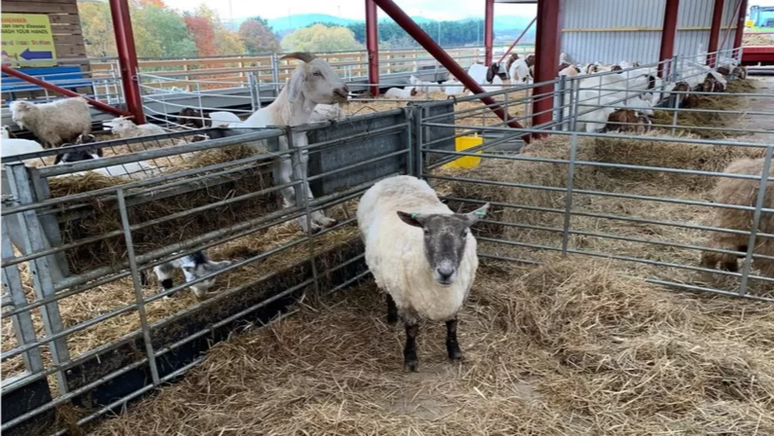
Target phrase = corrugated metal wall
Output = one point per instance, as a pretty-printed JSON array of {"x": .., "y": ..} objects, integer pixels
[
  {"x": 582, "y": 40},
  {"x": 635, "y": 28},
  {"x": 698, "y": 14}
]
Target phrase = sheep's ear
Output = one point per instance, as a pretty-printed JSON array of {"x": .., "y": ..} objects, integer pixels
[
  {"x": 473, "y": 217},
  {"x": 296, "y": 85},
  {"x": 412, "y": 219}
]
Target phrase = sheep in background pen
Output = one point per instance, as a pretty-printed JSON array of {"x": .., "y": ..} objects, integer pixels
[
  {"x": 124, "y": 128},
  {"x": 401, "y": 93},
  {"x": 741, "y": 192},
  {"x": 194, "y": 266},
  {"x": 427, "y": 271},
  {"x": 193, "y": 118},
  {"x": 53, "y": 123},
  {"x": 313, "y": 82}
]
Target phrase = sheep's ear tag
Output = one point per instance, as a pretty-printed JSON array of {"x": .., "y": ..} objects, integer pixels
[
  {"x": 414, "y": 215},
  {"x": 480, "y": 213}
]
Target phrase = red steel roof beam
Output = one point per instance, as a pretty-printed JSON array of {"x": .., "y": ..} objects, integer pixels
[
  {"x": 419, "y": 35},
  {"x": 740, "y": 17},
  {"x": 547, "y": 43},
  {"x": 668, "y": 36},
  {"x": 372, "y": 45},
  {"x": 523, "y": 32},
  {"x": 127, "y": 58},
  {"x": 488, "y": 31},
  {"x": 61, "y": 91},
  {"x": 717, "y": 23}
]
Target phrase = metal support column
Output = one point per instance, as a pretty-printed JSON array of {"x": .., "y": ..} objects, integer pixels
[
  {"x": 127, "y": 58},
  {"x": 372, "y": 45},
  {"x": 741, "y": 15},
  {"x": 419, "y": 35},
  {"x": 547, "y": 42},
  {"x": 668, "y": 36},
  {"x": 488, "y": 31},
  {"x": 717, "y": 23}
]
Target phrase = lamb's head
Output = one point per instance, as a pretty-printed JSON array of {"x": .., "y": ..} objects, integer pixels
[
  {"x": 78, "y": 156},
  {"x": 20, "y": 109},
  {"x": 445, "y": 239},
  {"x": 193, "y": 271},
  {"x": 316, "y": 80}
]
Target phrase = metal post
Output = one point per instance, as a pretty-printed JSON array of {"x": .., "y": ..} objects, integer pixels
[
  {"x": 41, "y": 275},
  {"x": 127, "y": 58},
  {"x": 559, "y": 103},
  {"x": 741, "y": 14},
  {"x": 759, "y": 204},
  {"x": 674, "y": 68},
  {"x": 22, "y": 322},
  {"x": 303, "y": 192},
  {"x": 717, "y": 23},
  {"x": 668, "y": 35},
  {"x": 275, "y": 73},
  {"x": 254, "y": 103},
  {"x": 139, "y": 298},
  {"x": 570, "y": 173},
  {"x": 488, "y": 31},
  {"x": 372, "y": 44},
  {"x": 419, "y": 35},
  {"x": 547, "y": 42}
]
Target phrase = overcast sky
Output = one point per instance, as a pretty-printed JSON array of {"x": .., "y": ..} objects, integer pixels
[{"x": 434, "y": 9}]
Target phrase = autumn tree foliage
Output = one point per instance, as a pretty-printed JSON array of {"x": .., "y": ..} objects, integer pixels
[
  {"x": 321, "y": 38},
  {"x": 257, "y": 37}
]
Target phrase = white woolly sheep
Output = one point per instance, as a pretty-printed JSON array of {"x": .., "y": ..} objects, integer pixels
[
  {"x": 421, "y": 254},
  {"x": 125, "y": 128},
  {"x": 313, "y": 82},
  {"x": 53, "y": 123},
  {"x": 741, "y": 192}
]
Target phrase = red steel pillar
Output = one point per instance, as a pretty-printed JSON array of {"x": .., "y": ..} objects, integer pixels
[
  {"x": 547, "y": 47},
  {"x": 372, "y": 45},
  {"x": 127, "y": 58},
  {"x": 668, "y": 36},
  {"x": 742, "y": 14},
  {"x": 419, "y": 35},
  {"x": 488, "y": 31},
  {"x": 717, "y": 23}
]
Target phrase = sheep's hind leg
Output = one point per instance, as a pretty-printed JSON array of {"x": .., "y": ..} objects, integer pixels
[
  {"x": 410, "y": 351},
  {"x": 452, "y": 346},
  {"x": 392, "y": 311}
]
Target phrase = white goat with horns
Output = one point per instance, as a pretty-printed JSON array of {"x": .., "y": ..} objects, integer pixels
[{"x": 313, "y": 82}]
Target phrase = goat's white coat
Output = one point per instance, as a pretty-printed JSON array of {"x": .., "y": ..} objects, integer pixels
[
  {"x": 399, "y": 93},
  {"x": 125, "y": 128},
  {"x": 53, "y": 123},
  {"x": 519, "y": 71},
  {"x": 395, "y": 251},
  {"x": 223, "y": 118}
]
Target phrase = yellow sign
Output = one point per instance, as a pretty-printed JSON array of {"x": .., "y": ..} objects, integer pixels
[{"x": 27, "y": 40}]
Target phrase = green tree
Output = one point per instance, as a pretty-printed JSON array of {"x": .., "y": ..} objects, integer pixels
[
  {"x": 168, "y": 29},
  {"x": 97, "y": 27},
  {"x": 257, "y": 37},
  {"x": 320, "y": 38}
]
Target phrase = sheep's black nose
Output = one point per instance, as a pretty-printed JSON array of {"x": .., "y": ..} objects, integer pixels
[{"x": 445, "y": 273}]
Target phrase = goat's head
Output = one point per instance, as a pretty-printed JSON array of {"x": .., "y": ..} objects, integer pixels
[
  {"x": 724, "y": 71},
  {"x": 530, "y": 60},
  {"x": 316, "y": 80},
  {"x": 445, "y": 239},
  {"x": 616, "y": 68},
  {"x": 492, "y": 71},
  {"x": 710, "y": 83},
  {"x": 194, "y": 268},
  {"x": 88, "y": 153},
  {"x": 86, "y": 139},
  {"x": 622, "y": 119},
  {"x": 564, "y": 65},
  {"x": 740, "y": 72},
  {"x": 511, "y": 59},
  {"x": 414, "y": 91}
]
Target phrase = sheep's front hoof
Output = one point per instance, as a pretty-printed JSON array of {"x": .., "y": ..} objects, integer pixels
[
  {"x": 455, "y": 355},
  {"x": 392, "y": 318},
  {"x": 411, "y": 365}
]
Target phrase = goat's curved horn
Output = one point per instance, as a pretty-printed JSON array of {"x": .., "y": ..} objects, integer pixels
[{"x": 301, "y": 56}]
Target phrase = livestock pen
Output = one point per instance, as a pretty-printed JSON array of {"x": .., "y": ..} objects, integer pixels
[{"x": 575, "y": 323}]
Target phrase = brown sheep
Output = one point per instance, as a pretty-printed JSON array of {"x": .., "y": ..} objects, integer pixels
[
  {"x": 741, "y": 192},
  {"x": 193, "y": 117}
]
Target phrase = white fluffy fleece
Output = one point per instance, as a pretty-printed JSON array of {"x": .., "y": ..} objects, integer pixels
[{"x": 395, "y": 250}]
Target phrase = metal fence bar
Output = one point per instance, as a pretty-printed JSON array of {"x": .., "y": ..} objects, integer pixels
[{"x": 759, "y": 202}]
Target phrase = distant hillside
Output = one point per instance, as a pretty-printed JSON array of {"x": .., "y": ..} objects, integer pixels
[{"x": 282, "y": 25}]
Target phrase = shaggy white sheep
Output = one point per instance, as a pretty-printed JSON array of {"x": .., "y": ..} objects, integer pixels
[
  {"x": 53, "y": 123},
  {"x": 125, "y": 128},
  {"x": 313, "y": 82},
  {"x": 421, "y": 253}
]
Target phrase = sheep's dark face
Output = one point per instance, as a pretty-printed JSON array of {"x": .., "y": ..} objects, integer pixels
[
  {"x": 78, "y": 156},
  {"x": 445, "y": 240}
]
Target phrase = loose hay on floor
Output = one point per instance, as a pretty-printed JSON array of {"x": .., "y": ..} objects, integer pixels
[
  {"x": 537, "y": 220},
  {"x": 571, "y": 348},
  {"x": 696, "y": 123}
]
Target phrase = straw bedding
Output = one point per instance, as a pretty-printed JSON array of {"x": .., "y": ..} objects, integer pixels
[
  {"x": 695, "y": 123},
  {"x": 571, "y": 348}
]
